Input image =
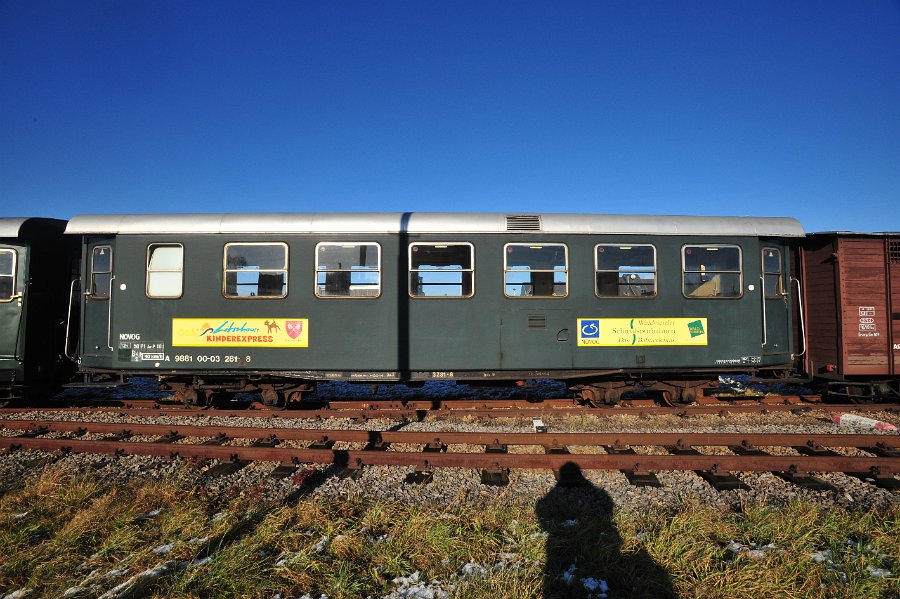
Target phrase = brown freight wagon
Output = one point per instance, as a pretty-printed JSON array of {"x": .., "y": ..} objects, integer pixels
[{"x": 851, "y": 312}]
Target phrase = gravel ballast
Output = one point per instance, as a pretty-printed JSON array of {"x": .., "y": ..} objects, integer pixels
[{"x": 451, "y": 485}]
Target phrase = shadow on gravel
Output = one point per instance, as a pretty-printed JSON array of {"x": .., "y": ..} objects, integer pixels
[{"x": 584, "y": 549}]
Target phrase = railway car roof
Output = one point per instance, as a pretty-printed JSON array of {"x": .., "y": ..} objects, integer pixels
[
  {"x": 435, "y": 222},
  {"x": 856, "y": 233},
  {"x": 12, "y": 226},
  {"x": 9, "y": 227}
]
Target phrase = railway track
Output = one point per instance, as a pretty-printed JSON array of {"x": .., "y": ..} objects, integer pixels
[
  {"x": 874, "y": 458},
  {"x": 418, "y": 409}
]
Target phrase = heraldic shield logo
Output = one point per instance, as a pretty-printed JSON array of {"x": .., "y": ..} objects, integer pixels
[
  {"x": 240, "y": 332},
  {"x": 293, "y": 328}
]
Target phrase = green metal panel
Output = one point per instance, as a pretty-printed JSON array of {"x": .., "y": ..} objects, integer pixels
[
  {"x": 776, "y": 347},
  {"x": 99, "y": 300},
  {"x": 344, "y": 333},
  {"x": 13, "y": 317},
  {"x": 397, "y": 333}
]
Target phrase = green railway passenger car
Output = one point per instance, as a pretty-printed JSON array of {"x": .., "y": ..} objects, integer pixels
[
  {"x": 277, "y": 302},
  {"x": 36, "y": 264}
]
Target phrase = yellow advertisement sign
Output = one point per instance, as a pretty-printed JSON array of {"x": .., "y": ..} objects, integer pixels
[
  {"x": 240, "y": 332},
  {"x": 615, "y": 332}
]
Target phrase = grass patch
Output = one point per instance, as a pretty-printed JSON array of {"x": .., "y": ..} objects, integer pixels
[{"x": 63, "y": 531}]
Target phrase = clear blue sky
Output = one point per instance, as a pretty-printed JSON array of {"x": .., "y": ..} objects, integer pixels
[{"x": 695, "y": 107}]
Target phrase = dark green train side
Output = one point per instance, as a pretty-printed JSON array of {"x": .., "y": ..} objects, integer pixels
[
  {"x": 276, "y": 302},
  {"x": 36, "y": 271}
]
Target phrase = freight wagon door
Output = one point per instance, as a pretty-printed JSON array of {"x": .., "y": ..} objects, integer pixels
[
  {"x": 864, "y": 298},
  {"x": 776, "y": 305},
  {"x": 98, "y": 298},
  {"x": 12, "y": 290},
  {"x": 894, "y": 285}
]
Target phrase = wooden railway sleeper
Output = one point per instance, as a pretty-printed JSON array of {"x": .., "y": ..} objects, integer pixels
[
  {"x": 170, "y": 437},
  {"x": 352, "y": 469},
  {"x": 720, "y": 481},
  {"x": 120, "y": 436},
  {"x": 322, "y": 443},
  {"x": 226, "y": 467},
  {"x": 882, "y": 451},
  {"x": 495, "y": 447},
  {"x": 636, "y": 476},
  {"x": 35, "y": 432},
  {"x": 808, "y": 482},
  {"x": 815, "y": 447},
  {"x": 423, "y": 473},
  {"x": 270, "y": 441},
  {"x": 495, "y": 476}
]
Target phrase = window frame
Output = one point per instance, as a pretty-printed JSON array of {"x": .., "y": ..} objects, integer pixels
[
  {"x": 150, "y": 247},
  {"x": 410, "y": 270},
  {"x": 15, "y": 264},
  {"x": 740, "y": 271},
  {"x": 779, "y": 291},
  {"x": 93, "y": 291},
  {"x": 533, "y": 244},
  {"x": 345, "y": 243},
  {"x": 597, "y": 271},
  {"x": 226, "y": 270}
]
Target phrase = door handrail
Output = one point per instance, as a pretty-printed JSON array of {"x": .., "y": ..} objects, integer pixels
[
  {"x": 802, "y": 318},
  {"x": 109, "y": 315},
  {"x": 762, "y": 294},
  {"x": 69, "y": 317}
]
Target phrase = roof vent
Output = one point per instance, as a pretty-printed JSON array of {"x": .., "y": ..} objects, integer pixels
[{"x": 523, "y": 222}]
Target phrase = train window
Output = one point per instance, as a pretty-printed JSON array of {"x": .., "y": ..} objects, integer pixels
[
  {"x": 711, "y": 271},
  {"x": 624, "y": 270},
  {"x": 772, "y": 278},
  {"x": 101, "y": 271},
  {"x": 348, "y": 270},
  {"x": 535, "y": 270},
  {"x": 7, "y": 274},
  {"x": 165, "y": 270},
  {"x": 256, "y": 270},
  {"x": 441, "y": 270}
]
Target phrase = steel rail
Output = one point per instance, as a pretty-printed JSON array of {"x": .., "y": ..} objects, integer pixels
[
  {"x": 358, "y": 458},
  {"x": 547, "y": 439}
]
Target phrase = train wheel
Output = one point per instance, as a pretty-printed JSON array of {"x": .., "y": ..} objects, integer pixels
[
  {"x": 192, "y": 397},
  {"x": 612, "y": 397},
  {"x": 592, "y": 396},
  {"x": 688, "y": 395},
  {"x": 274, "y": 399},
  {"x": 667, "y": 398}
]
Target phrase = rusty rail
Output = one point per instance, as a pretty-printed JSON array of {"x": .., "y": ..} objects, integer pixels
[
  {"x": 549, "y": 439},
  {"x": 434, "y": 454},
  {"x": 362, "y": 457}
]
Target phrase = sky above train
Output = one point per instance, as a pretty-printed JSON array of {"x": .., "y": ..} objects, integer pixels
[{"x": 763, "y": 108}]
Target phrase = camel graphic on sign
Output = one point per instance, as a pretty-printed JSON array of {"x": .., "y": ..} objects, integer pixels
[{"x": 272, "y": 326}]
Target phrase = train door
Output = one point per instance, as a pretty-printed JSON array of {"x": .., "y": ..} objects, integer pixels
[
  {"x": 893, "y": 279},
  {"x": 12, "y": 292},
  {"x": 98, "y": 299},
  {"x": 776, "y": 305}
]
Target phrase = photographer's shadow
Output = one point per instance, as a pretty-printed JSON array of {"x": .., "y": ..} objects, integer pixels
[{"x": 584, "y": 549}]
